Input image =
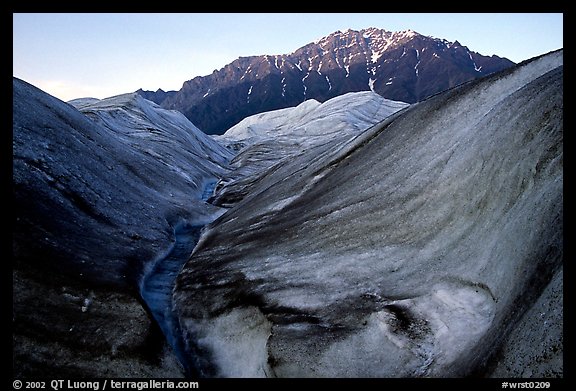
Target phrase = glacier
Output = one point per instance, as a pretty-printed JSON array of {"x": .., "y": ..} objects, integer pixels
[
  {"x": 410, "y": 250},
  {"x": 103, "y": 190},
  {"x": 267, "y": 140},
  {"x": 113, "y": 194},
  {"x": 359, "y": 237}
]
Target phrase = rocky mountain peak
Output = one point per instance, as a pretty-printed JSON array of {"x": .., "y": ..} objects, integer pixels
[{"x": 402, "y": 65}]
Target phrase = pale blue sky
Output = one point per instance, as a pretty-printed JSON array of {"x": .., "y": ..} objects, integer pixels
[{"x": 100, "y": 55}]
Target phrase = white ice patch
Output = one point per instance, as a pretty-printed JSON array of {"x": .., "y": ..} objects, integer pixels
[
  {"x": 298, "y": 66},
  {"x": 249, "y": 92},
  {"x": 449, "y": 320},
  {"x": 409, "y": 33},
  {"x": 347, "y": 67},
  {"x": 459, "y": 314},
  {"x": 304, "y": 83},
  {"x": 329, "y": 84},
  {"x": 206, "y": 94},
  {"x": 237, "y": 342},
  {"x": 474, "y": 63},
  {"x": 338, "y": 62},
  {"x": 246, "y": 72},
  {"x": 371, "y": 84},
  {"x": 283, "y": 86}
]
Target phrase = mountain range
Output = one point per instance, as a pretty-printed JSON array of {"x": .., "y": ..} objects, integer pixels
[{"x": 404, "y": 66}]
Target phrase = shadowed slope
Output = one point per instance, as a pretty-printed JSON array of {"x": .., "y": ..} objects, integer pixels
[
  {"x": 96, "y": 200},
  {"x": 410, "y": 251}
]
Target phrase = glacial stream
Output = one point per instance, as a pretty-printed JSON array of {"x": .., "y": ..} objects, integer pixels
[{"x": 157, "y": 284}]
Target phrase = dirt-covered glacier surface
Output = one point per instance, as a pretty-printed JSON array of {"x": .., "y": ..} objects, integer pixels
[
  {"x": 98, "y": 197},
  {"x": 414, "y": 249},
  {"x": 110, "y": 200}
]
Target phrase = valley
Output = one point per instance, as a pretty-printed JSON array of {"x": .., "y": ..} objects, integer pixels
[{"x": 345, "y": 236}]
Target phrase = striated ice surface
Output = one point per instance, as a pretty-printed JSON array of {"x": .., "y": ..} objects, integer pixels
[
  {"x": 409, "y": 249},
  {"x": 269, "y": 139}
]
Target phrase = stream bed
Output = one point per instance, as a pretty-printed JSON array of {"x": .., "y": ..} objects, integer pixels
[{"x": 158, "y": 283}]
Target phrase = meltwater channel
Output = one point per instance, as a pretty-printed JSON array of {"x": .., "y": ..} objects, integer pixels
[{"x": 158, "y": 283}]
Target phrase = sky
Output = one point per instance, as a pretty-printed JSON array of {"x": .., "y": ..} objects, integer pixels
[{"x": 101, "y": 55}]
